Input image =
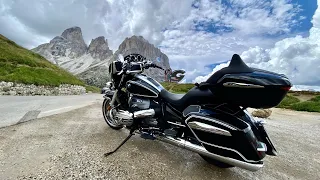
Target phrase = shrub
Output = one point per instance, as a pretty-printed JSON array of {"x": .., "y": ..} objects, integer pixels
[
  {"x": 287, "y": 101},
  {"x": 310, "y": 106}
]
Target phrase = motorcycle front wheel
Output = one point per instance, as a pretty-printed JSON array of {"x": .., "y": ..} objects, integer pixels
[{"x": 108, "y": 116}]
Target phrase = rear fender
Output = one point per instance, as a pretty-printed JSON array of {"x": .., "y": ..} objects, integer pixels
[{"x": 260, "y": 132}]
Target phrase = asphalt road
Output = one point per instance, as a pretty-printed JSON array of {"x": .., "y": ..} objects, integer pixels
[
  {"x": 15, "y": 109},
  {"x": 71, "y": 146}
]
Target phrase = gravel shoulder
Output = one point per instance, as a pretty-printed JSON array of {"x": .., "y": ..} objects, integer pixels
[{"x": 71, "y": 146}]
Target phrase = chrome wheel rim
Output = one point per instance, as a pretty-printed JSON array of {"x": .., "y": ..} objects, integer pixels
[{"x": 108, "y": 116}]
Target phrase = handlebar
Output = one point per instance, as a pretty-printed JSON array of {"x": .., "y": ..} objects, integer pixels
[
  {"x": 145, "y": 65},
  {"x": 156, "y": 66}
]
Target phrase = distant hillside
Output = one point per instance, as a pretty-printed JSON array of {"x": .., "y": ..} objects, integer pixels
[{"x": 20, "y": 65}]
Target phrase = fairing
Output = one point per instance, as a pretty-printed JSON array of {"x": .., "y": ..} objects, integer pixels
[{"x": 142, "y": 85}]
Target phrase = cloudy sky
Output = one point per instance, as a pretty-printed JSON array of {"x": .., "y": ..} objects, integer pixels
[{"x": 199, "y": 36}]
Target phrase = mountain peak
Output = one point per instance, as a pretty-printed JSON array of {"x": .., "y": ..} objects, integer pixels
[
  {"x": 73, "y": 31},
  {"x": 99, "y": 48},
  {"x": 137, "y": 44},
  {"x": 141, "y": 38}
]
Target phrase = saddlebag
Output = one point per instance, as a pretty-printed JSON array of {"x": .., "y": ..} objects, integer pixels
[{"x": 232, "y": 138}]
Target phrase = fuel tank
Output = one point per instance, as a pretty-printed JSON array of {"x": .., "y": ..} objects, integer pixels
[{"x": 144, "y": 86}]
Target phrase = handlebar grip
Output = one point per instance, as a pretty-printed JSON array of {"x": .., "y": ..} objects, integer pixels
[{"x": 156, "y": 66}]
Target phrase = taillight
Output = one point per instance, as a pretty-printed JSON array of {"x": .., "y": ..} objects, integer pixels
[{"x": 286, "y": 88}]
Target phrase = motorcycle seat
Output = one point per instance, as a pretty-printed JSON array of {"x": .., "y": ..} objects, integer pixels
[
  {"x": 201, "y": 93},
  {"x": 171, "y": 97},
  {"x": 193, "y": 97},
  {"x": 236, "y": 66}
]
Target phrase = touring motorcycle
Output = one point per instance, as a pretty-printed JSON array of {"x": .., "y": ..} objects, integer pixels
[{"x": 210, "y": 119}]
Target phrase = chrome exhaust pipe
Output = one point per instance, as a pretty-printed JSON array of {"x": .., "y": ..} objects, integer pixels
[
  {"x": 201, "y": 150},
  {"x": 138, "y": 114},
  {"x": 144, "y": 113},
  {"x": 126, "y": 118}
]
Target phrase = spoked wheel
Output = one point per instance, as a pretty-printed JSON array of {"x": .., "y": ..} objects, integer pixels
[
  {"x": 108, "y": 116},
  {"x": 216, "y": 162}
]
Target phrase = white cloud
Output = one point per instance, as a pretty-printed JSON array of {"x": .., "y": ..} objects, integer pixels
[
  {"x": 192, "y": 33},
  {"x": 200, "y": 79},
  {"x": 297, "y": 57},
  {"x": 305, "y": 88}
]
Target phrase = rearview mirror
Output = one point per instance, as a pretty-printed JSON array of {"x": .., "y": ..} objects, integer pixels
[{"x": 120, "y": 58}]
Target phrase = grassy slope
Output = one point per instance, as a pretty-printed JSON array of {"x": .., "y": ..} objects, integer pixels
[
  {"x": 177, "y": 88},
  {"x": 294, "y": 100},
  {"x": 20, "y": 65}
]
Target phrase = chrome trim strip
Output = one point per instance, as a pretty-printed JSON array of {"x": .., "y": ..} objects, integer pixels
[
  {"x": 138, "y": 84},
  {"x": 144, "y": 113},
  {"x": 173, "y": 123},
  {"x": 241, "y": 85},
  {"x": 248, "y": 128},
  {"x": 208, "y": 128},
  {"x": 201, "y": 150},
  {"x": 263, "y": 147},
  {"x": 218, "y": 122},
  {"x": 212, "y": 120}
]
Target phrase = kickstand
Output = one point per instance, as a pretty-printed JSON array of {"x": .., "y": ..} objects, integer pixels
[{"x": 124, "y": 141}]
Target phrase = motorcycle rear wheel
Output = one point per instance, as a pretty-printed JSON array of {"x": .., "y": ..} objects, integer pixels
[
  {"x": 106, "y": 110},
  {"x": 216, "y": 162}
]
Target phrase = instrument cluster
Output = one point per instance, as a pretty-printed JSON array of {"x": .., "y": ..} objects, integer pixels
[{"x": 134, "y": 58}]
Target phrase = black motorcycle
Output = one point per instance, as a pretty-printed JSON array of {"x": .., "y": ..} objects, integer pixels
[{"x": 210, "y": 119}]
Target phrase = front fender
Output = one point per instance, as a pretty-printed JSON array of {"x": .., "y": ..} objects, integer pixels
[{"x": 109, "y": 94}]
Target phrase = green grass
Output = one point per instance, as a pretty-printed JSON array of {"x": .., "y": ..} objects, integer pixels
[
  {"x": 310, "y": 106},
  {"x": 92, "y": 89},
  {"x": 288, "y": 101},
  {"x": 20, "y": 65},
  {"x": 177, "y": 88},
  {"x": 315, "y": 99}
]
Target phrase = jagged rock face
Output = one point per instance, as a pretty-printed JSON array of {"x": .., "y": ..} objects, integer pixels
[
  {"x": 70, "y": 52},
  {"x": 90, "y": 64},
  {"x": 76, "y": 43},
  {"x": 97, "y": 76},
  {"x": 99, "y": 48},
  {"x": 137, "y": 44},
  {"x": 70, "y": 45}
]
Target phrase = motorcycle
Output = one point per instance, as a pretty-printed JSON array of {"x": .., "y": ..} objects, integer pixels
[{"x": 210, "y": 119}]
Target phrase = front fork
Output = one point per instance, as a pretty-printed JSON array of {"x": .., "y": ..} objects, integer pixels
[{"x": 114, "y": 97}]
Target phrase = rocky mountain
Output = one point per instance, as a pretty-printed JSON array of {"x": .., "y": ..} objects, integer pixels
[
  {"x": 90, "y": 63},
  {"x": 137, "y": 44},
  {"x": 70, "y": 52},
  {"x": 99, "y": 48}
]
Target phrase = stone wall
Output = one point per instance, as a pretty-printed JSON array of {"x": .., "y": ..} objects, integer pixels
[{"x": 17, "y": 89}]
